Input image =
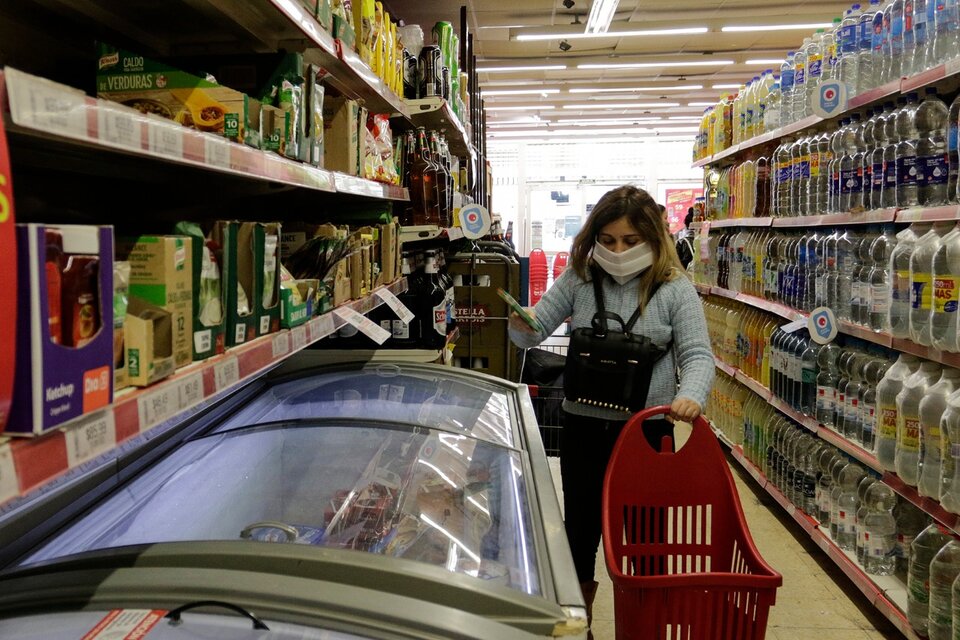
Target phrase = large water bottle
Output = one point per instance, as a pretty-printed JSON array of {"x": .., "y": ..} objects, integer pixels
[
  {"x": 866, "y": 78},
  {"x": 925, "y": 546},
  {"x": 833, "y": 167},
  {"x": 944, "y": 569},
  {"x": 874, "y": 372},
  {"x": 949, "y": 468},
  {"x": 862, "y": 182},
  {"x": 899, "y": 317},
  {"x": 908, "y": 421},
  {"x": 883, "y": 69},
  {"x": 889, "y": 193},
  {"x": 846, "y": 506},
  {"x": 896, "y": 67},
  {"x": 849, "y": 42},
  {"x": 932, "y": 408},
  {"x": 946, "y": 293},
  {"x": 814, "y": 54},
  {"x": 910, "y": 522},
  {"x": 954, "y": 159},
  {"x": 933, "y": 159},
  {"x": 879, "y": 36},
  {"x": 909, "y": 36},
  {"x": 880, "y": 530},
  {"x": 880, "y": 143},
  {"x": 921, "y": 34},
  {"x": 921, "y": 282},
  {"x": 880, "y": 251},
  {"x": 830, "y": 47},
  {"x": 773, "y": 108},
  {"x": 783, "y": 168},
  {"x": 847, "y": 261},
  {"x": 798, "y": 101},
  {"x": 947, "y": 20},
  {"x": 787, "y": 78},
  {"x": 863, "y": 508},
  {"x": 906, "y": 153},
  {"x": 868, "y": 132}
]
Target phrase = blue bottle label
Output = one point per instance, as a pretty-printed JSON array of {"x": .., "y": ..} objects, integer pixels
[
  {"x": 804, "y": 169},
  {"x": 848, "y": 39},
  {"x": 952, "y": 137},
  {"x": 877, "y": 33},
  {"x": 935, "y": 169},
  {"x": 877, "y": 176},
  {"x": 786, "y": 79},
  {"x": 896, "y": 36},
  {"x": 849, "y": 181},
  {"x": 866, "y": 35},
  {"x": 816, "y": 67},
  {"x": 906, "y": 171},
  {"x": 800, "y": 76}
]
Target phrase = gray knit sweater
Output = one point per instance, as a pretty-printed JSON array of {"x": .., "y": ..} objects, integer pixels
[{"x": 675, "y": 311}]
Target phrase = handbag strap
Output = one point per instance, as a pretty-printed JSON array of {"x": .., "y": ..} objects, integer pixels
[{"x": 602, "y": 313}]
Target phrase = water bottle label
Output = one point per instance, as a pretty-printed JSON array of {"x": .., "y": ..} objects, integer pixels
[
  {"x": 952, "y": 137},
  {"x": 890, "y": 174},
  {"x": 907, "y": 18},
  {"x": 935, "y": 169},
  {"x": 846, "y": 521},
  {"x": 896, "y": 36},
  {"x": 804, "y": 166},
  {"x": 814, "y": 165},
  {"x": 920, "y": 31},
  {"x": 785, "y": 173},
  {"x": 888, "y": 422},
  {"x": 800, "y": 74},
  {"x": 848, "y": 39},
  {"x": 881, "y": 548},
  {"x": 920, "y": 291},
  {"x": 906, "y": 171},
  {"x": 850, "y": 181},
  {"x": 866, "y": 35},
  {"x": 877, "y": 33},
  {"x": 954, "y": 451},
  {"x": 815, "y": 66},
  {"x": 869, "y": 421},
  {"x": 786, "y": 80},
  {"x": 879, "y": 298},
  {"x": 901, "y": 287},
  {"x": 910, "y": 434},
  {"x": 945, "y": 294},
  {"x": 876, "y": 176}
]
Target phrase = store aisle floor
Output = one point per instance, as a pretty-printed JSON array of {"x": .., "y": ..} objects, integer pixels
[{"x": 816, "y": 599}]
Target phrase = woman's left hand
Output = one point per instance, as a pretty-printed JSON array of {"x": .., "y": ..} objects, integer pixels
[{"x": 685, "y": 410}]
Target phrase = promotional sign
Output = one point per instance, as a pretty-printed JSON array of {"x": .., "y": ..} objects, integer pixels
[
  {"x": 8, "y": 275},
  {"x": 678, "y": 201},
  {"x": 475, "y": 221},
  {"x": 822, "y": 325},
  {"x": 831, "y": 100}
]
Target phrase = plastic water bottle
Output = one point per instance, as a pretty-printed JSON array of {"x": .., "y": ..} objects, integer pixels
[
  {"x": 933, "y": 160},
  {"x": 944, "y": 570},
  {"x": 908, "y": 421},
  {"x": 874, "y": 372},
  {"x": 825, "y": 461},
  {"x": 889, "y": 194},
  {"x": 880, "y": 531},
  {"x": 863, "y": 509},
  {"x": 932, "y": 408},
  {"x": 886, "y": 39},
  {"x": 814, "y": 70},
  {"x": 850, "y": 478},
  {"x": 921, "y": 33},
  {"x": 946, "y": 293},
  {"x": 879, "y": 36},
  {"x": 830, "y": 46},
  {"x": 896, "y": 69},
  {"x": 906, "y": 153},
  {"x": 888, "y": 389},
  {"x": 899, "y": 317},
  {"x": 947, "y": 21},
  {"x": 921, "y": 282},
  {"x": 880, "y": 143},
  {"x": 954, "y": 159},
  {"x": 950, "y": 465},
  {"x": 849, "y": 42},
  {"x": 799, "y": 98},
  {"x": 787, "y": 77},
  {"x": 880, "y": 251},
  {"x": 773, "y": 110},
  {"x": 909, "y": 36},
  {"x": 866, "y": 78},
  {"x": 827, "y": 378},
  {"x": 868, "y": 132},
  {"x": 833, "y": 167},
  {"x": 922, "y": 552}
]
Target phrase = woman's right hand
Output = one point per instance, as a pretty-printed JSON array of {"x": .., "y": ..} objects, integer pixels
[{"x": 518, "y": 324}]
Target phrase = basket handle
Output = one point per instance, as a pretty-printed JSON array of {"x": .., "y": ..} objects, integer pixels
[{"x": 700, "y": 427}]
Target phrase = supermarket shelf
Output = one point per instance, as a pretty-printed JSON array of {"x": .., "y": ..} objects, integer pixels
[
  {"x": 929, "y": 353},
  {"x": 723, "y": 366},
  {"x": 73, "y": 118},
  {"x": 873, "y": 95},
  {"x": 753, "y": 385},
  {"x": 29, "y": 466},
  {"x": 855, "y": 330},
  {"x": 874, "y": 216},
  {"x": 797, "y": 221},
  {"x": 737, "y": 222},
  {"x": 930, "y": 76},
  {"x": 436, "y": 113},
  {"x": 928, "y": 505},
  {"x": 931, "y": 214},
  {"x": 886, "y": 593}
]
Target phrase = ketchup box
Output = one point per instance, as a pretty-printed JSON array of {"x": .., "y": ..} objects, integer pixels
[{"x": 64, "y": 363}]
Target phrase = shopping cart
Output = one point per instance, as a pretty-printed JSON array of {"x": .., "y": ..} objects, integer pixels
[
  {"x": 677, "y": 548},
  {"x": 545, "y": 364}
]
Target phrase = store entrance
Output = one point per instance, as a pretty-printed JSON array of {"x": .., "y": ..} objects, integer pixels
[{"x": 555, "y": 212}]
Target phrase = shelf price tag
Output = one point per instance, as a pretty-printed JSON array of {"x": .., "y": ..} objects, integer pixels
[
  {"x": 117, "y": 126},
  {"x": 365, "y": 325},
  {"x": 322, "y": 326},
  {"x": 298, "y": 336},
  {"x": 190, "y": 391},
  {"x": 216, "y": 152},
  {"x": 47, "y": 106},
  {"x": 226, "y": 373},
  {"x": 166, "y": 138},
  {"x": 394, "y": 303},
  {"x": 90, "y": 438},
  {"x": 157, "y": 406},
  {"x": 281, "y": 345},
  {"x": 9, "y": 485}
]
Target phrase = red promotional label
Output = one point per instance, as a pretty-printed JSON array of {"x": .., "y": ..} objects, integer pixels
[{"x": 8, "y": 271}]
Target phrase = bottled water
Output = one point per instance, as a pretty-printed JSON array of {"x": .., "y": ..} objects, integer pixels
[
  {"x": 947, "y": 19},
  {"x": 798, "y": 102},
  {"x": 921, "y": 282},
  {"x": 868, "y": 132},
  {"x": 851, "y": 394},
  {"x": 861, "y": 182},
  {"x": 886, "y": 44},
  {"x": 860, "y": 290},
  {"x": 896, "y": 69},
  {"x": 827, "y": 379},
  {"x": 933, "y": 160},
  {"x": 889, "y": 195},
  {"x": 906, "y": 153},
  {"x": 833, "y": 167},
  {"x": 880, "y": 251},
  {"x": 825, "y": 461},
  {"x": 783, "y": 166},
  {"x": 918, "y": 61},
  {"x": 800, "y": 155},
  {"x": 910, "y": 522},
  {"x": 908, "y": 421},
  {"x": 846, "y": 508},
  {"x": 814, "y": 71},
  {"x": 944, "y": 570},
  {"x": 880, "y": 143},
  {"x": 922, "y": 552},
  {"x": 787, "y": 77},
  {"x": 847, "y": 261},
  {"x": 880, "y": 531},
  {"x": 862, "y": 510},
  {"x": 773, "y": 109},
  {"x": 866, "y": 78},
  {"x": 849, "y": 42},
  {"x": 899, "y": 317},
  {"x": 870, "y": 416},
  {"x": 946, "y": 278},
  {"x": 932, "y": 408},
  {"x": 954, "y": 160},
  {"x": 830, "y": 46},
  {"x": 818, "y": 191},
  {"x": 950, "y": 469},
  {"x": 880, "y": 42},
  {"x": 888, "y": 390},
  {"x": 909, "y": 36}
]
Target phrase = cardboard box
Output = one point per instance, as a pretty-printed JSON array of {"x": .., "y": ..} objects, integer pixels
[
  {"x": 341, "y": 135},
  {"x": 238, "y": 274},
  {"x": 54, "y": 383},
  {"x": 209, "y": 310},
  {"x": 156, "y": 88},
  {"x": 148, "y": 340},
  {"x": 267, "y": 283},
  {"x": 161, "y": 273},
  {"x": 293, "y": 314}
]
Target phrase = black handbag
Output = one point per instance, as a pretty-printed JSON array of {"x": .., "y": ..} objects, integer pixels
[{"x": 610, "y": 369}]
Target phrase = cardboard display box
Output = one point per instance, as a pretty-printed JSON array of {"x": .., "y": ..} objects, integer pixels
[
  {"x": 238, "y": 275},
  {"x": 148, "y": 343},
  {"x": 161, "y": 273},
  {"x": 341, "y": 139},
  {"x": 56, "y": 382},
  {"x": 209, "y": 292},
  {"x": 267, "y": 277},
  {"x": 293, "y": 314}
]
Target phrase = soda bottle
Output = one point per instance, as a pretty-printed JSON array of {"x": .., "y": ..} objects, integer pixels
[
  {"x": 944, "y": 569},
  {"x": 888, "y": 390},
  {"x": 933, "y": 159},
  {"x": 880, "y": 531},
  {"x": 932, "y": 408},
  {"x": 908, "y": 421},
  {"x": 950, "y": 452}
]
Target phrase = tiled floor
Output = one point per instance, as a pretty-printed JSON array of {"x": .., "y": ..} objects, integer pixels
[{"x": 816, "y": 601}]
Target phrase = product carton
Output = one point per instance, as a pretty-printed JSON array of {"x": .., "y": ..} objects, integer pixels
[
  {"x": 343, "y": 31},
  {"x": 148, "y": 340},
  {"x": 56, "y": 382},
  {"x": 239, "y": 279},
  {"x": 161, "y": 273},
  {"x": 266, "y": 249},
  {"x": 209, "y": 292},
  {"x": 341, "y": 117},
  {"x": 294, "y": 314}
]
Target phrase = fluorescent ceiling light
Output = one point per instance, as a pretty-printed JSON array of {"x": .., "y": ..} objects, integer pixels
[
  {"x": 684, "y": 118},
  {"x": 776, "y": 27},
  {"x": 765, "y": 61},
  {"x": 518, "y": 92},
  {"x": 646, "y": 65},
  {"x": 533, "y": 107},
  {"x": 679, "y": 87},
  {"x": 732, "y": 85},
  {"x": 505, "y": 125},
  {"x": 601, "y": 14},
  {"x": 625, "y": 105},
  {"x": 527, "y": 37},
  {"x": 699, "y": 104},
  {"x": 620, "y": 120},
  {"x": 535, "y": 67}
]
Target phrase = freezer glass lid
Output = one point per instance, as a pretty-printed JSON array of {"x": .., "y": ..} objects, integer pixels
[
  {"x": 389, "y": 392},
  {"x": 391, "y": 489}
]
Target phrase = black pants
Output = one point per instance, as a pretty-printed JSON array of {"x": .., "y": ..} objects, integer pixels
[{"x": 585, "y": 448}]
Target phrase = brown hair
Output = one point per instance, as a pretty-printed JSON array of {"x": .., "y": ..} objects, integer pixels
[{"x": 644, "y": 216}]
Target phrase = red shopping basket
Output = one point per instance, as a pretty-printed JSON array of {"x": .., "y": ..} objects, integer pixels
[{"x": 678, "y": 551}]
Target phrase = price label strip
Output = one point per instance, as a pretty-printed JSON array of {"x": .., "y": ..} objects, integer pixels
[
  {"x": 216, "y": 152},
  {"x": 365, "y": 325},
  {"x": 161, "y": 405},
  {"x": 281, "y": 345},
  {"x": 298, "y": 336},
  {"x": 90, "y": 438},
  {"x": 117, "y": 126},
  {"x": 226, "y": 373},
  {"x": 9, "y": 485},
  {"x": 322, "y": 326},
  {"x": 166, "y": 138},
  {"x": 47, "y": 106},
  {"x": 394, "y": 303}
]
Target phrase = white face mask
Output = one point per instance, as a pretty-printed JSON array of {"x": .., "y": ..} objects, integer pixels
[{"x": 626, "y": 265}]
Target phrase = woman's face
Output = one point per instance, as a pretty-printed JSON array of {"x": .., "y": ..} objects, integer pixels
[{"x": 619, "y": 235}]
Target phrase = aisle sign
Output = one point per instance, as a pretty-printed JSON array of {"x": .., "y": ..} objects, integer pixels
[
  {"x": 831, "y": 100},
  {"x": 822, "y": 325},
  {"x": 475, "y": 221},
  {"x": 8, "y": 273}
]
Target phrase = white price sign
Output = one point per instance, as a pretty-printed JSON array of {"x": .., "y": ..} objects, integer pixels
[
  {"x": 226, "y": 373},
  {"x": 118, "y": 127},
  {"x": 323, "y": 326},
  {"x": 9, "y": 485},
  {"x": 157, "y": 406},
  {"x": 394, "y": 303},
  {"x": 90, "y": 438},
  {"x": 41, "y": 104},
  {"x": 298, "y": 336},
  {"x": 364, "y": 324},
  {"x": 281, "y": 345},
  {"x": 190, "y": 391},
  {"x": 216, "y": 152},
  {"x": 166, "y": 138}
]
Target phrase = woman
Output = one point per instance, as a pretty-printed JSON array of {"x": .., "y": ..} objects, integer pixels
[{"x": 625, "y": 237}]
